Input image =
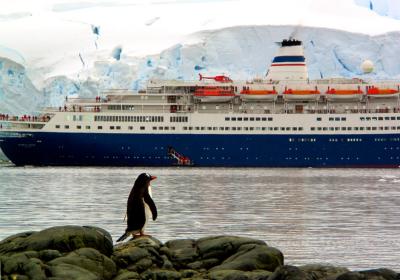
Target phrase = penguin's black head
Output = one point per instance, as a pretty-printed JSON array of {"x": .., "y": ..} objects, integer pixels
[{"x": 144, "y": 179}]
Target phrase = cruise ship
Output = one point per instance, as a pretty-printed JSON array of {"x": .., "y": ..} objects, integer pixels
[{"x": 281, "y": 120}]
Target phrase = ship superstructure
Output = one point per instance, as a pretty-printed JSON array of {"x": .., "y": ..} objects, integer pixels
[{"x": 284, "y": 120}]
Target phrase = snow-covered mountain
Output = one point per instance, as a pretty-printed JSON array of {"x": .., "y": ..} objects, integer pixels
[
  {"x": 50, "y": 49},
  {"x": 241, "y": 52}
]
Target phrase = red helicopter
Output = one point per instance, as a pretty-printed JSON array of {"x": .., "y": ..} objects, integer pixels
[{"x": 220, "y": 78}]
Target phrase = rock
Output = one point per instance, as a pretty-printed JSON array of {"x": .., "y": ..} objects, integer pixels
[
  {"x": 221, "y": 247},
  {"x": 161, "y": 274},
  {"x": 127, "y": 275},
  {"x": 63, "y": 239},
  {"x": 68, "y": 271},
  {"x": 252, "y": 257},
  {"x": 204, "y": 264},
  {"x": 182, "y": 252},
  {"x": 228, "y": 275},
  {"x": 322, "y": 272},
  {"x": 48, "y": 255},
  {"x": 85, "y": 261},
  {"x": 288, "y": 272},
  {"x": 373, "y": 274},
  {"x": 131, "y": 252}
]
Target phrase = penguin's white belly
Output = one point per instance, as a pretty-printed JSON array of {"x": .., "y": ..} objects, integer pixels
[{"x": 147, "y": 212}]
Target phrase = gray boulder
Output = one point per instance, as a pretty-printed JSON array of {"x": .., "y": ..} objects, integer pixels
[
  {"x": 62, "y": 239},
  {"x": 84, "y": 262}
]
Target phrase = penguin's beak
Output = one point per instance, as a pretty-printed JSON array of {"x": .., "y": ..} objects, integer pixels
[{"x": 153, "y": 178}]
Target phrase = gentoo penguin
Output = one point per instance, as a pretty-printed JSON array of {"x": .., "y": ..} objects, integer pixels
[{"x": 139, "y": 199}]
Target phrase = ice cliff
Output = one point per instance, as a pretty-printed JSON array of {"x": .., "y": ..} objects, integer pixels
[{"x": 242, "y": 52}]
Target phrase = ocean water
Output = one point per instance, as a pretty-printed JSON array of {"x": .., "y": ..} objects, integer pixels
[{"x": 343, "y": 217}]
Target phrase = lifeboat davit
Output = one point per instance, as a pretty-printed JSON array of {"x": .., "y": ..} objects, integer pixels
[
  {"x": 376, "y": 92},
  {"x": 214, "y": 94},
  {"x": 248, "y": 93},
  {"x": 303, "y": 94},
  {"x": 344, "y": 94}
]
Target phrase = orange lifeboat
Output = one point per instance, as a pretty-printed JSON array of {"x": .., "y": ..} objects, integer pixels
[
  {"x": 303, "y": 94},
  {"x": 376, "y": 92},
  {"x": 347, "y": 94},
  {"x": 214, "y": 94},
  {"x": 258, "y": 94}
]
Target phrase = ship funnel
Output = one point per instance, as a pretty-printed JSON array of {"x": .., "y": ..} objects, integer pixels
[{"x": 289, "y": 64}]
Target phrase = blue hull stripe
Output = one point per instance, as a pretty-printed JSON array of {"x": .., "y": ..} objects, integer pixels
[
  {"x": 297, "y": 58},
  {"x": 42, "y": 148}
]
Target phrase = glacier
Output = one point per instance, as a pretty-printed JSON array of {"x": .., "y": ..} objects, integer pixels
[
  {"x": 389, "y": 8},
  {"x": 242, "y": 52}
]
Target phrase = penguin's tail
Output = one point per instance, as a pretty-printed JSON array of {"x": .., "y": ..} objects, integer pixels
[{"x": 123, "y": 237}]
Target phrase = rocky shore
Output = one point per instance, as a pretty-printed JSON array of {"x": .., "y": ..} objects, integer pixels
[{"x": 74, "y": 252}]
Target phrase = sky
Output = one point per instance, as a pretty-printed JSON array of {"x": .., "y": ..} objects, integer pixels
[{"x": 47, "y": 32}]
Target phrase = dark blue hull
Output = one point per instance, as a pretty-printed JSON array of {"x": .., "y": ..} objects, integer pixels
[{"x": 83, "y": 149}]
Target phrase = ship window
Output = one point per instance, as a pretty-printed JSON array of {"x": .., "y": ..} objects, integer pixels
[
  {"x": 374, "y": 118},
  {"x": 209, "y": 128},
  {"x": 239, "y": 128},
  {"x": 386, "y": 128},
  {"x": 337, "y": 119},
  {"x": 160, "y": 128},
  {"x": 356, "y": 128},
  {"x": 239, "y": 119},
  {"x": 172, "y": 127},
  {"x": 332, "y": 128},
  {"x": 251, "y": 119},
  {"x": 343, "y": 128},
  {"x": 245, "y": 119},
  {"x": 99, "y": 127},
  {"x": 381, "y": 118},
  {"x": 295, "y": 128},
  {"x": 87, "y": 127},
  {"x": 221, "y": 128},
  {"x": 331, "y": 119},
  {"x": 276, "y": 128},
  {"x": 142, "y": 128},
  {"x": 57, "y": 126},
  {"x": 282, "y": 128},
  {"x": 166, "y": 128},
  {"x": 287, "y": 128},
  {"x": 349, "y": 128},
  {"x": 233, "y": 119},
  {"x": 118, "y": 127},
  {"x": 258, "y": 119},
  {"x": 269, "y": 119},
  {"x": 227, "y": 119},
  {"x": 368, "y": 128},
  {"x": 362, "y": 118},
  {"x": 312, "y": 128},
  {"x": 111, "y": 127},
  {"x": 215, "y": 128},
  {"x": 319, "y": 119},
  {"x": 392, "y": 118},
  {"x": 263, "y": 119},
  {"x": 154, "y": 127},
  {"x": 398, "y": 118},
  {"x": 361, "y": 128},
  {"x": 190, "y": 128},
  {"x": 368, "y": 118},
  {"x": 203, "y": 128},
  {"x": 233, "y": 128},
  {"x": 300, "y": 128},
  {"x": 227, "y": 128},
  {"x": 324, "y": 128},
  {"x": 373, "y": 128},
  {"x": 319, "y": 128},
  {"x": 185, "y": 128},
  {"x": 197, "y": 128},
  {"x": 343, "y": 119},
  {"x": 78, "y": 127}
]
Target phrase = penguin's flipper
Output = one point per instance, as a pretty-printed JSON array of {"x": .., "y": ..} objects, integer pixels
[
  {"x": 149, "y": 201},
  {"x": 123, "y": 237}
]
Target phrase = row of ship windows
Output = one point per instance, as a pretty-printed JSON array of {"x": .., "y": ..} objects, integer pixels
[
  {"x": 379, "y": 118},
  {"x": 227, "y": 128},
  {"x": 355, "y": 128},
  {"x": 248, "y": 119},
  {"x": 129, "y": 118},
  {"x": 138, "y": 119}
]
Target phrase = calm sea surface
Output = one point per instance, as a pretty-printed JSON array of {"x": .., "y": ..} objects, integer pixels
[{"x": 348, "y": 217}]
